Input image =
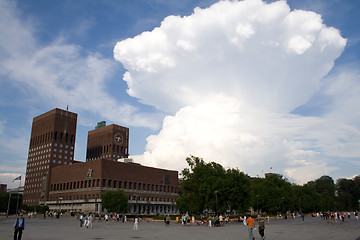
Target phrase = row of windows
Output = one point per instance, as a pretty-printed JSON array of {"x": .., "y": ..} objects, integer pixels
[
  {"x": 52, "y": 136},
  {"x": 35, "y": 149},
  {"x": 60, "y": 156},
  {"x": 111, "y": 184},
  {"x": 105, "y": 157},
  {"x": 37, "y": 168},
  {"x": 32, "y": 191},
  {"x": 97, "y": 151},
  {"x": 29, "y": 176},
  {"x": 54, "y": 155},
  {"x": 92, "y": 196},
  {"x": 38, "y": 163}
]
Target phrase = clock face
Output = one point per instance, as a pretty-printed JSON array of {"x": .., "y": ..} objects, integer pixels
[{"x": 119, "y": 139}]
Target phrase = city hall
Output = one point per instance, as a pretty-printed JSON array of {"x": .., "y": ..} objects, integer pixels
[{"x": 55, "y": 179}]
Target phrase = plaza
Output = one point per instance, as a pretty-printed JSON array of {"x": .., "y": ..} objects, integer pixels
[{"x": 280, "y": 229}]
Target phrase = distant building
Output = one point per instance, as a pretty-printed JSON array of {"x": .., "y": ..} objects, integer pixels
[
  {"x": 3, "y": 188},
  {"x": 55, "y": 179}
]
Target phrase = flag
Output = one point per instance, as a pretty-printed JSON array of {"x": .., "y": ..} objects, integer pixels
[{"x": 18, "y": 178}]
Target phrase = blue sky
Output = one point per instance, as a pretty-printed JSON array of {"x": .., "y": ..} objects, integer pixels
[{"x": 252, "y": 85}]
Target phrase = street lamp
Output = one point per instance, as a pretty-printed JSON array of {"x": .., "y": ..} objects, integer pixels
[
  {"x": 216, "y": 192},
  {"x": 257, "y": 204},
  {"x": 60, "y": 198}
]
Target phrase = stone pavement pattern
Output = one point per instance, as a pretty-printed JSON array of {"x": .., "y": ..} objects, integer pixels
[{"x": 279, "y": 229}]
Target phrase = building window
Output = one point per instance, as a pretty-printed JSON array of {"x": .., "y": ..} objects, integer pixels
[
  {"x": 125, "y": 185},
  {"x": 130, "y": 185},
  {"x": 120, "y": 184}
]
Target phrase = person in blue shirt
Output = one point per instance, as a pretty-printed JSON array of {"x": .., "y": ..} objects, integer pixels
[{"x": 19, "y": 226}]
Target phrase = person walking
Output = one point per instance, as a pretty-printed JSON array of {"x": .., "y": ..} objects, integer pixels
[
  {"x": 251, "y": 225},
  {"x": 19, "y": 226},
  {"x": 136, "y": 224},
  {"x": 262, "y": 228},
  {"x": 167, "y": 220},
  {"x": 81, "y": 220},
  {"x": 90, "y": 221}
]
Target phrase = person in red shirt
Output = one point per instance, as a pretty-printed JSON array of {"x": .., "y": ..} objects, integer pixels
[{"x": 251, "y": 225}]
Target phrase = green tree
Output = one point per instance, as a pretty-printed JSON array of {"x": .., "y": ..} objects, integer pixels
[
  {"x": 115, "y": 201},
  {"x": 272, "y": 194},
  {"x": 308, "y": 199},
  {"x": 208, "y": 186},
  {"x": 326, "y": 187}
]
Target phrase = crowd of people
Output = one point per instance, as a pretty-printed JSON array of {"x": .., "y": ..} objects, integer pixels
[
  {"x": 336, "y": 216},
  {"x": 87, "y": 219}
]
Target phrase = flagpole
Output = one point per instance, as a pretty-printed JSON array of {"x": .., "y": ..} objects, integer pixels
[
  {"x": 17, "y": 202},
  {"x": 7, "y": 212}
]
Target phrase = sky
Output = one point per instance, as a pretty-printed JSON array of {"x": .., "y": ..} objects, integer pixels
[{"x": 261, "y": 86}]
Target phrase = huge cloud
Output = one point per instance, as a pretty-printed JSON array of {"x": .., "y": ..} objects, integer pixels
[
  {"x": 264, "y": 54},
  {"x": 231, "y": 74}
]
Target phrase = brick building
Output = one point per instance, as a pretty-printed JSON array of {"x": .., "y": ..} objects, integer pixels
[
  {"x": 3, "y": 188},
  {"x": 78, "y": 187},
  {"x": 53, "y": 178},
  {"x": 52, "y": 144},
  {"x": 108, "y": 142}
]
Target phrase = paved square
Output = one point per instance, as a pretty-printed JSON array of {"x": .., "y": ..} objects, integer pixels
[{"x": 279, "y": 229}]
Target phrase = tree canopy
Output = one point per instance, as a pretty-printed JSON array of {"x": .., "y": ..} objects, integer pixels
[
  {"x": 209, "y": 187},
  {"x": 115, "y": 201}
]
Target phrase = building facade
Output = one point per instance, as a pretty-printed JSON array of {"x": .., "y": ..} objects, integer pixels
[
  {"x": 79, "y": 187},
  {"x": 108, "y": 142},
  {"x": 55, "y": 179},
  {"x": 52, "y": 144}
]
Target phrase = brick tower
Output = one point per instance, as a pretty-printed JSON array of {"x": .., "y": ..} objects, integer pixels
[{"x": 52, "y": 144}]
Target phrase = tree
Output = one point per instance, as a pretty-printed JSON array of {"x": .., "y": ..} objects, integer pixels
[
  {"x": 208, "y": 186},
  {"x": 326, "y": 187},
  {"x": 115, "y": 201},
  {"x": 272, "y": 194}
]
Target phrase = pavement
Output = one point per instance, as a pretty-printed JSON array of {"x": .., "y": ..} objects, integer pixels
[{"x": 280, "y": 229}]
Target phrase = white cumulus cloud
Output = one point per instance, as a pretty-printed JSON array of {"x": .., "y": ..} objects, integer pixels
[{"x": 230, "y": 75}]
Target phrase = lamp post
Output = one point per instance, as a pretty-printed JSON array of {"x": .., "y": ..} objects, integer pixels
[
  {"x": 257, "y": 204},
  {"x": 60, "y": 198},
  {"x": 216, "y": 192}
]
